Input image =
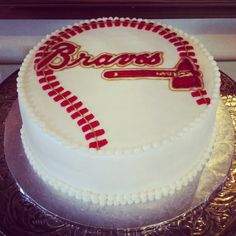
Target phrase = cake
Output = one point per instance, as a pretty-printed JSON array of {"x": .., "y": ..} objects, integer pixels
[{"x": 118, "y": 111}]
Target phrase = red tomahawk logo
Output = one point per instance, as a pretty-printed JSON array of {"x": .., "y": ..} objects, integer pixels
[{"x": 184, "y": 76}]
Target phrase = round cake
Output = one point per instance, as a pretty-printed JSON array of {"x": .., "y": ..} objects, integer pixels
[{"x": 118, "y": 111}]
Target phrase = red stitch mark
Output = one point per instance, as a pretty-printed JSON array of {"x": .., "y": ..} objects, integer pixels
[
  {"x": 45, "y": 53},
  {"x": 55, "y": 91},
  {"x": 180, "y": 38},
  {"x": 85, "y": 119},
  {"x": 48, "y": 72},
  {"x": 39, "y": 73},
  {"x": 149, "y": 26},
  {"x": 187, "y": 54},
  {"x": 61, "y": 96},
  {"x": 79, "y": 113},
  {"x": 45, "y": 79},
  {"x": 45, "y": 72},
  {"x": 77, "y": 29},
  {"x": 70, "y": 32},
  {"x": 133, "y": 23},
  {"x": 56, "y": 38},
  {"x": 42, "y": 48},
  {"x": 94, "y": 134},
  {"x": 58, "y": 98},
  {"x": 199, "y": 93},
  {"x": 157, "y": 28},
  {"x": 109, "y": 23},
  {"x": 64, "y": 35},
  {"x": 141, "y": 24},
  {"x": 176, "y": 39},
  {"x": 184, "y": 48},
  {"x": 91, "y": 125},
  {"x": 181, "y": 43},
  {"x": 202, "y": 101},
  {"x": 74, "y": 106},
  {"x": 50, "y": 85},
  {"x": 117, "y": 22},
  {"x": 126, "y": 22},
  {"x": 165, "y": 31},
  {"x": 172, "y": 40},
  {"x": 51, "y": 43},
  {"x": 69, "y": 101},
  {"x": 86, "y": 26},
  {"x": 66, "y": 94},
  {"x": 93, "y": 24},
  {"x": 99, "y": 143},
  {"x": 170, "y": 35},
  {"x": 101, "y": 23}
]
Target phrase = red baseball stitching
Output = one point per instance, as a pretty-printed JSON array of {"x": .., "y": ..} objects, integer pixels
[
  {"x": 70, "y": 101},
  {"x": 202, "y": 100},
  {"x": 183, "y": 47},
  {"x": 86, "y": 122}
]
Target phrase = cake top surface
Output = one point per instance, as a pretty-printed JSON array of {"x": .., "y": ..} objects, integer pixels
[{"x": 118, "y": 84}]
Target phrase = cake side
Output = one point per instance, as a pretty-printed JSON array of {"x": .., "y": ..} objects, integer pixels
[
  {"x": 166, "y": 123},
  {"x": 158, "y": 190},
  {"x": 155, "y": 211}
]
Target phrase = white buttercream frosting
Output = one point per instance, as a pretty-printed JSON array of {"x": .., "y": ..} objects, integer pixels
[{"x": 151, "y": 130}]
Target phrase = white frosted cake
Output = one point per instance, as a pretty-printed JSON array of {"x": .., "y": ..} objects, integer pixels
[{"x": 118, "y": 111}]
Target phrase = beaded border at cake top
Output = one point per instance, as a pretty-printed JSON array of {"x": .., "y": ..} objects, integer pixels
[{"x": 75, "y": 108}]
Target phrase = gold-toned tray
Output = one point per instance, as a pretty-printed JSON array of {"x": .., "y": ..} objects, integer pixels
[{"x": 19, "y": 215}]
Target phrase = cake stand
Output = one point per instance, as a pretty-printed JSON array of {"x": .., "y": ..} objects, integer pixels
[{"x": 20, "y": 215}]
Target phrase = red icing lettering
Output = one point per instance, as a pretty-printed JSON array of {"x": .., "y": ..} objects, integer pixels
[
  {"x": 61, "y": 52},
  {"x": 66, "y": 54}
]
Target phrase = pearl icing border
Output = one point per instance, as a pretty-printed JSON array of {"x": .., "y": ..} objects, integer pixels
[{"x": 65, "y": 140}]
